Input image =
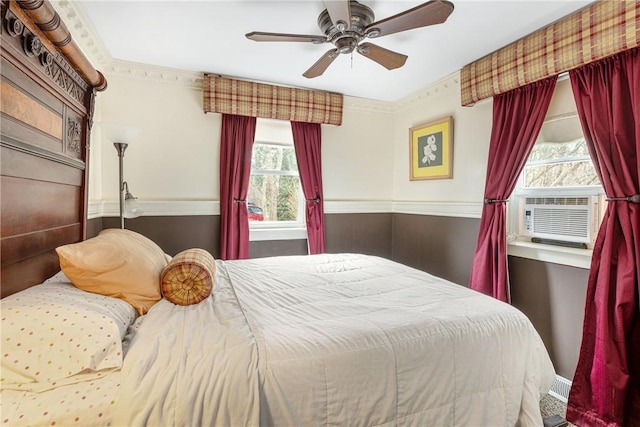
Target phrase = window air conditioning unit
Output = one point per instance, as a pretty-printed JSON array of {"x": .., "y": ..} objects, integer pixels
[{"x": 566, "y": 219}]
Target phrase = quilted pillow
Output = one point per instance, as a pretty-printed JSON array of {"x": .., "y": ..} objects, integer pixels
[
  {"x": 54, "y": 331},
  {"x": 116, "y": 263},
  {"x": 189, "y": 276}
]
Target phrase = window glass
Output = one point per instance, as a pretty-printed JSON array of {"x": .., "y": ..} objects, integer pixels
[
  {"x": 559, "y": 164},
  {"x": 274, "y": 186}
]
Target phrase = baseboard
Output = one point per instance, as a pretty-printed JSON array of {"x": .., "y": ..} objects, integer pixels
[{"x": 560, "y": 389}]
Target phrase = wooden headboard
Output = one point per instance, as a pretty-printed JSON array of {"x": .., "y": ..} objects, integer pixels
[{"x": 48, "y": 90}]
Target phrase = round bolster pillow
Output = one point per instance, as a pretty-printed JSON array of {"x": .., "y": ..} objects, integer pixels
[{"x": 188, "y": 278}]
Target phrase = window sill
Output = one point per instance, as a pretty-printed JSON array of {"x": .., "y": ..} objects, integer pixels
[
  {"x": 272, "y": 233},
  {"x": 573, "y": 257}
]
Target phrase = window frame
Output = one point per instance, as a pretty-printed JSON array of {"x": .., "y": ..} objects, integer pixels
[{"x": 279, "y": 230}]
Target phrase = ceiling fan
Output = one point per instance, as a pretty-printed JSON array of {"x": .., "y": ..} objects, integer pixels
[{"x": 346, "y": 23}]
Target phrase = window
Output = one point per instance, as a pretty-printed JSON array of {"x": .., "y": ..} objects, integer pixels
[
  {"x": 559, "y": 165},
  {"x": 274, "y": 197},
  {"x": 558, "y": 199}
]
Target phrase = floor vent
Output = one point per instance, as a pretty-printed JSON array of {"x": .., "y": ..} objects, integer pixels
[{"x": 560, "y": 388}]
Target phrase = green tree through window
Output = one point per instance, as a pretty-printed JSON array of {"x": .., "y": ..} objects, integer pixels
[{"x": 274, "y": 186}]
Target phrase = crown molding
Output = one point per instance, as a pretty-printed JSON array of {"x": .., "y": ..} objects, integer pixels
[
  {"x": 368, "y": 105},
  {"x": 83, "y": 32},
  {"x": 442, "y": 87},
  {"x": 137, "y": 70}
]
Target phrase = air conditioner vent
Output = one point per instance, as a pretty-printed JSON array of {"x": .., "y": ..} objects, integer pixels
[
  {"x": 568, "y": 222},
  {"x": 562, "y": 218},
  {"x": 567, "y": 201}
]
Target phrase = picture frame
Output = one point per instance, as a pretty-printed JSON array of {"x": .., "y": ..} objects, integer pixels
[{"x": 431, "y": 150}]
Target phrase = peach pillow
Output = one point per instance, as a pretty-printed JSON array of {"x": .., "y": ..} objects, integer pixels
[
  {"x": 116, "y": 263},
  {"x": 189, "y": 276}
]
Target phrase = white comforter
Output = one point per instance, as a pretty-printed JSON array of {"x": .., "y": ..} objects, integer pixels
[{"x": 334, "y": 340}]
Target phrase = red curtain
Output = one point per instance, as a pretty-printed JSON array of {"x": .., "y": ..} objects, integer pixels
[
  {"x": 517, "y": 118},
  {"x": 606, "y": 385},
  {"x": 306, "y": 139},
  {"x": 236, "y": 144}
]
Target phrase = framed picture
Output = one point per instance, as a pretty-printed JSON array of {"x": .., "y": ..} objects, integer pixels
[{"x": 431, "y": 150}]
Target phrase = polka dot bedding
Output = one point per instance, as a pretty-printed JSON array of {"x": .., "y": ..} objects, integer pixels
[
  {"x": 88, "y": 403},
  {"x": 54, "y": 331}
]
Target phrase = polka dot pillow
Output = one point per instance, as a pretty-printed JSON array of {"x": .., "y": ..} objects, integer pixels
[{"x": 55, "y": 330}]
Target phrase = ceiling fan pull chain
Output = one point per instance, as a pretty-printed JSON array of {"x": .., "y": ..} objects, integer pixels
[{"x": 352, "y": 60}]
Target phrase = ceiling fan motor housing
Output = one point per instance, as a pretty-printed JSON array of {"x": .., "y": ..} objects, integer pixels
[{"x": 347, "y": 41}]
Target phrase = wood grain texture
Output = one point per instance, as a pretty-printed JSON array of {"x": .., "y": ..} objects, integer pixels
[
  {"x": 21, "y": 247},
  {"x": 24, "y": 274},
  {"x": 46, "y": 114},
  {"x": 23, "y": 107},
  {"x": 30, "y": 205},
  {"x": 21, "y": 164}
]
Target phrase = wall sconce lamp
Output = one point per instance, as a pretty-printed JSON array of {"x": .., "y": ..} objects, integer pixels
[
  {"x": 117, "y": 132},
  {"x": 128, "y": 205}
]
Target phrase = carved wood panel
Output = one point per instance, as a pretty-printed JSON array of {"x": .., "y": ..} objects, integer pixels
[{"x": 47, "y": 107}]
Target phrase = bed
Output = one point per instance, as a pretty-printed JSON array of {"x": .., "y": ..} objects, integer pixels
[
  {"x": 332, "y": 339},
  {"x": 327, "y": 339}
]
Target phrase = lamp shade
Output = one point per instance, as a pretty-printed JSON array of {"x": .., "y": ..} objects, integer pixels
[
  {"x": 131, "y": 208},
  {"x": 119, "y": 132}
]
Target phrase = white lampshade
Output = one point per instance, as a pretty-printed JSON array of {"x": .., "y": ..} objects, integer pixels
[
  {"x": 119, "y": 132},
  {"x": 131, "y": 208}
]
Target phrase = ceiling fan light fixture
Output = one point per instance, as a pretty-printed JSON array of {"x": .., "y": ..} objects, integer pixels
[{"x": 346, "y": 44}]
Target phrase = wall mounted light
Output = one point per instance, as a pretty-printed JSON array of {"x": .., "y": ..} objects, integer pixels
[{"x": 127, "y": 202}]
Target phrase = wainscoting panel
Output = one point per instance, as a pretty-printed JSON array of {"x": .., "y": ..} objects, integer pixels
[
  {"x": 265, "y": 248},
  {"x": 442, "y": 246},
  {"x": 175, "y": 233},
  {"x": 553, "y": 298},
  {"x": 365, "y": 233},
  {"x": 368, "y": 233}
]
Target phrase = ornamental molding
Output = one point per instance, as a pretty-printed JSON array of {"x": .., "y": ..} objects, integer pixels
[
  {"x": 54, "y": 65},
  {"x": 74, "y": 136}
]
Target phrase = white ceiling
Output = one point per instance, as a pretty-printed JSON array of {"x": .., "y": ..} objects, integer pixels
[{"x": 208, "y": 36}]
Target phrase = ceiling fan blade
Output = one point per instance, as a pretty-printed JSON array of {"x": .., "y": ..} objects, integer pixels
[
  {"x": 430, "y": 13},
  {"x": 339, "y": 11},
  {"x": 321, "y": 64},
  {"x": 385, "y": 57},
  {"x": 282, "y": 37}
]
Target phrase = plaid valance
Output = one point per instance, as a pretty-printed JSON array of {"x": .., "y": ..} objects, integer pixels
[
  {"x": 244, "y": 98},
  {"x": 601, "y": 29}
]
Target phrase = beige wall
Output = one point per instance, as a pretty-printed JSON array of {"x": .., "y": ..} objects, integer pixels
[
  {"x": 176, "y": 154},
  {"x": 471, "y": 132}
]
